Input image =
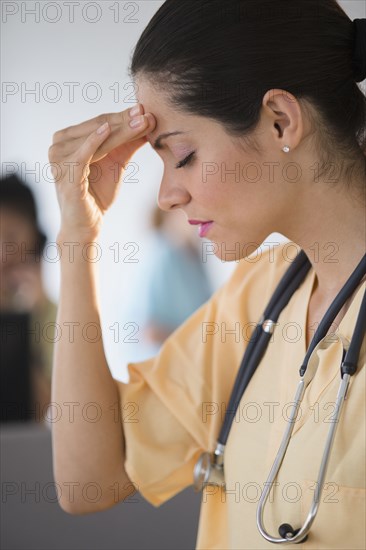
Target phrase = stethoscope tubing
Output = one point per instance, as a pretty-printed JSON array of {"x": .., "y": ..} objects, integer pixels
[
  {"x": 349, "y": 365},
  {"x": 348, "y": 368},
  {"x": 260, "y": 339},
  {"x": 304, "y": 530},
  {"x": 344, "y": 294}
]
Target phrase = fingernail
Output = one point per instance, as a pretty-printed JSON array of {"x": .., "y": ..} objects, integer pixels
[
  {"x": 138, "y": 121},
  {"x": 103, "y": 128},
  {"x": 135, "y": 110}
]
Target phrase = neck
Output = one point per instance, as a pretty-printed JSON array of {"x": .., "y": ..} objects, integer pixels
[{"x": 332, "y": 233}]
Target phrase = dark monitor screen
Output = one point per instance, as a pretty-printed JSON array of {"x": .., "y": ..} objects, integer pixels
[{"x": 15, "y": 361}]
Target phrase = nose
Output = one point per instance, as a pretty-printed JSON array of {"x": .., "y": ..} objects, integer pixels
[{"x": 172, "y": 195}]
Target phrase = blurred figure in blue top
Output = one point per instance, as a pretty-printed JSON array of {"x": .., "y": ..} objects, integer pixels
[
  {"x": 173, "y": 282},
  {"x": 178, "y": 283}
]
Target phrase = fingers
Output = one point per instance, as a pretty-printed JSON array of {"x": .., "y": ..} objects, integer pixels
[
  {"x": 121, "y": 132},
  {"x": 117, "y": 138},
  {"x": 90, "y": 145},
  {"x": 124, "y": 134},
  {"x": 80, "y": 156},
  {"x": 86, "y": 128}
]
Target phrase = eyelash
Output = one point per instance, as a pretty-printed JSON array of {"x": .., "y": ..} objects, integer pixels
[{"x": 185, "y": 161}]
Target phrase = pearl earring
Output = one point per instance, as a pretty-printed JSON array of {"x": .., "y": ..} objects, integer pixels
[{"x": 286, "y": 149}]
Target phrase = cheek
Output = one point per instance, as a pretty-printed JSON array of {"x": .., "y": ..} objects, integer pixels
[
  {"x": 224, "y": 180},
  {"x": 209, "y": 187},
  {"x": 223, "y": 192},
  {"x": 233, "y": 187}
]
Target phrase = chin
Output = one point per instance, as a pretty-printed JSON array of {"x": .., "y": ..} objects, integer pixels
[
  {"x": 230, "y": 251},
  {"x": 222, "y": 250}
]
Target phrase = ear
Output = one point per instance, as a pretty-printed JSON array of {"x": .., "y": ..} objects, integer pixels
[{"x": 284, "y": 116}]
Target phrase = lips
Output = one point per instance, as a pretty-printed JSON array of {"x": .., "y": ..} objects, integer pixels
[
  {"x": 198, "y": 222},
  {"x": 204, "y": 228}
]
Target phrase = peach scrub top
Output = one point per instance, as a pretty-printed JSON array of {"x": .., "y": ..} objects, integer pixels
[{"x": 180, "y": 397}]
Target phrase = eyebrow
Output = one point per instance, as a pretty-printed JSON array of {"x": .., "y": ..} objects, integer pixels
[{"x": 158, "y": 145}]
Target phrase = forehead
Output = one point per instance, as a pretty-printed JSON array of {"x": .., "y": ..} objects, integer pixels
[
  {"x": 153, "y": 100},
  {"x": 170, "y": 119}
]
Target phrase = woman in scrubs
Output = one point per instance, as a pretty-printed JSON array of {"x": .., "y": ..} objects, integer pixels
[{"x": 256, "y": 110}]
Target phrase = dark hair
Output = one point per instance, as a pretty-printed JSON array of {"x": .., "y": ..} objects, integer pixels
[
  {"x": 17, "y": 196},
  {"x": 217, "y": 59}
]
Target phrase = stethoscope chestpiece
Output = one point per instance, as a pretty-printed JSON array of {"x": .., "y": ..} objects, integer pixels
[
  {"x": 209, "y": 470},
  {"x": 201, "y": 471}
]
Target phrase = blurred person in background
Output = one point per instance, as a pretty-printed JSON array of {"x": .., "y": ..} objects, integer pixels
[
  {"x": 173, "y": 284},
  {"x": 178, "y": 283},
  {"x": 21, "y": 285}
]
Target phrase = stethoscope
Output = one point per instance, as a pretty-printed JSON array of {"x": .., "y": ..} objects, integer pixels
[{"x": 209, "y": 469}]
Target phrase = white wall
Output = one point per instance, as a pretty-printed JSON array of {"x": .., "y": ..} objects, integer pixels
[{"x": 88, "y": 44}]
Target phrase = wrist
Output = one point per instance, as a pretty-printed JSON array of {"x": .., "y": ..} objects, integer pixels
[
  {"x": 78, "y": 249},
  {"x": 65, "y": 237}
]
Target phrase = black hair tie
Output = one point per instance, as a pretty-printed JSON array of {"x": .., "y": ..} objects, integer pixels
[{"x": 359, "y": 52}]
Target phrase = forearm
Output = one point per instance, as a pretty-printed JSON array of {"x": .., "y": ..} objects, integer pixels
[{"x": 87, "y": 431}]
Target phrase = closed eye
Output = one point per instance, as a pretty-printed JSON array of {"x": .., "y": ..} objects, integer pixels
[{"x": 185, "y": 161}]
